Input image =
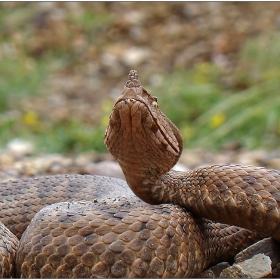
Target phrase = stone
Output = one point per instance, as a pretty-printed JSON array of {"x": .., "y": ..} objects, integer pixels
[
  {"x": 20, "y": 147},
  {"x": 259, "y": 266},
  {"x": 106, "y": 168},
  {"x": 135, "y": 56},
  {"x": 267, "y": 246},
  {"x": 180, "y": 167}
]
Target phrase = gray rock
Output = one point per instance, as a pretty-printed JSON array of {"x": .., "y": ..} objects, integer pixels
[
  {"x": 259, "y": 266},
  {"x": 135, "y": 56},
  {"x": 267, "y": 246},
  {"x": 20, "y": 147},
  {"x": 106, "y": 168}
]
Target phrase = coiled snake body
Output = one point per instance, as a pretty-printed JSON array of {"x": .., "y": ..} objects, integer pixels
[{"x": 99, "y": 228}]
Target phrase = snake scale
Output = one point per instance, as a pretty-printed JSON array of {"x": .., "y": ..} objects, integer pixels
[{"x": 170, "y": 224}]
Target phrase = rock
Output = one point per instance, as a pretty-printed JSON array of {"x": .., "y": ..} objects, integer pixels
[
  {"x": 258, "y": 266},
  {"x": 6, "y": 159},
  {"x": 20, "y": 147},
  {"x": 267, "y": 246},
  {"x": 191, "y": 54},
  {"x": 134, "y": 17},
  {"x": 8, "y": 175},
  {"x": 214, "y": 271},
  {"x": 256, "y": 261},
  {"x": 135, "y": 56},
  {"x": 180, "y": 167},
  {"x": 45, "y": 164},
  {"x": 105, "y": 168},
  {"x": 250, "y": 157},
  {"x": 192, "y": 157},
  {"x": 109, "y": 59},
  {"x": 274, "y": 163}
]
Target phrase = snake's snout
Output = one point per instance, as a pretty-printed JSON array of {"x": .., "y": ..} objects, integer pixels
[{"x": 129, "y": 93}]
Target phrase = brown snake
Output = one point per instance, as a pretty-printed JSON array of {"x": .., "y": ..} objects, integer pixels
[{"x": 100, "y": 228}]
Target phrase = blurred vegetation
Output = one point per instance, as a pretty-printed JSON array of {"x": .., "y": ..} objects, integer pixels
[
  {"x": 210, "y": 115},
  {"x": 29, "y": 56},
  {"x": 208, "y": 111}
]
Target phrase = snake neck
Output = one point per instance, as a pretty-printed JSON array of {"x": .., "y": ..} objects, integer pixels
[
  {"x": 149, "y": 184},
  {"x": 169, "y": 188}
]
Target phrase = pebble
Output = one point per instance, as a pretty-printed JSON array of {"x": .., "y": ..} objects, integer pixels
[
  {"x": 250, "y": 157},
  {"x": 19, "y": 156},
  {"x": 134, "y": 56},
  {"x": 20, "y": 147},
  {"x": 105, "y": 168},
  {"x": 274, "y": 163},
  {"x": 180, "y": 167}
]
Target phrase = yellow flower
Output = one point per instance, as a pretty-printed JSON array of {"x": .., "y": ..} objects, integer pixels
[
  {"x": 217, "y": 120},
  {"x": 31, "y": 119}
]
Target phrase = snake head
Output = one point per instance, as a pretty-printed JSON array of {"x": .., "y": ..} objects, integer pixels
[{"x": 141, "y": 138}]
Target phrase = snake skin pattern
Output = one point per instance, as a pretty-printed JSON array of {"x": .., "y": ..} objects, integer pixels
[
  {"x": 97, "y": 227},
  {"x": 110, "y": 234}
]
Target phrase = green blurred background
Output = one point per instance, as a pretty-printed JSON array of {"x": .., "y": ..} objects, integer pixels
[{"x": 214, "y": 66}]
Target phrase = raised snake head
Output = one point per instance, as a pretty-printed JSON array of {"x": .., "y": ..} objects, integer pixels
[{"x": 141, "y": 138}]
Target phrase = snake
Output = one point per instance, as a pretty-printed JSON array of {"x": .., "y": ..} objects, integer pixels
[{"x": 158, "y": 223}]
